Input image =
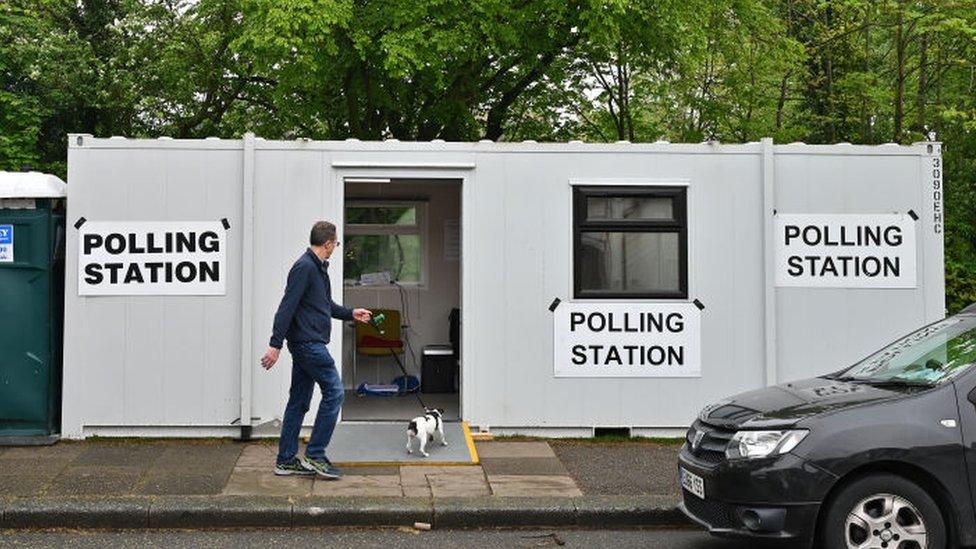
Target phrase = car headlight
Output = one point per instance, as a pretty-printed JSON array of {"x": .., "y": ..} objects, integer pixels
[{"x": 759, "y": 444}]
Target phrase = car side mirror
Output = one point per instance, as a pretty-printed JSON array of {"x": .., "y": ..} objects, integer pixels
[{"x": 971, "y": 397}]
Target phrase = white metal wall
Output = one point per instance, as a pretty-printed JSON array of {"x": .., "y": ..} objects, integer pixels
[
  {"x": 152, "y": 361},
  {"x": 138, "y": 365},
  {"x": 822, "y": 329},
  {"x": 522, "y": 260}
]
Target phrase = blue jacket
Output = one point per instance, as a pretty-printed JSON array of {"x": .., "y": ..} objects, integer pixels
[{"x": 307, "y": 309}]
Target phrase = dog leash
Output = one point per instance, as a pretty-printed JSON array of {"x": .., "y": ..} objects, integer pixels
[{"x": 402, "y": 369}]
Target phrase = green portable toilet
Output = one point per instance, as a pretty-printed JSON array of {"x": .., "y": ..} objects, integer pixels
[{"x": 31, "y": 306}]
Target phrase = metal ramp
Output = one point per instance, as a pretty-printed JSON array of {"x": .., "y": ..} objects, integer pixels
[{"x": 384, "y": 443}]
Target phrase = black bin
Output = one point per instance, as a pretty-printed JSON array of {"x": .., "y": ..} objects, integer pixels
[{"x": 437, "y": 369}]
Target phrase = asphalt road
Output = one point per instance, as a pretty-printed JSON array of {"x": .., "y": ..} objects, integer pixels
[{"x": 363, "y": 538}]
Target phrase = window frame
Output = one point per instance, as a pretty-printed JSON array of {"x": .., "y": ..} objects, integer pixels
[
  {"x": 678, "y": 223},
  {"x": 376, "y": 229}
]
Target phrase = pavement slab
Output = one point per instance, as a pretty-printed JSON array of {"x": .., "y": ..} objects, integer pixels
[
  {"x": 514, "y": 450},
  {"x": 417, "y": 491},
  {"x": 89, "y": 480},
  {"x": 20, "y": 485},
  {"x": 523, "y": 466},
  {"x": 162, "y": 482},
  {"x": 533, "y": 485},
  {"x": 253, "y": 482},
  {"x": 61, "y": 451},
  {"x": 199, "y": 457},
  {"x": 359, "y": 485},
  {"x": 429, "y": 481},
  {"x": 140, "y": 455},
  {"x": 257, "y": 456},
  {"x": 419, "y": 476},
  {"x": 49, "y": 469},
  {"x": 442, "y": 486},
  {"x": 20, "y": 461},
  {"x": 412, "y": 474}
]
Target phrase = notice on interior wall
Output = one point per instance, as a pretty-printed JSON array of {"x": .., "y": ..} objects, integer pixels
[
  {"x": 452, "y": 240},
  {"x": 627, "y": 340},
  {"x": 845, "y": 250},
  {"x": 6, "y": 243},
  {"x": 152, "y": 258}
]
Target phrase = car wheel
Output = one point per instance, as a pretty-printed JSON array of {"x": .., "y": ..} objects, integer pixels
[{"x": 883, "y": 511}]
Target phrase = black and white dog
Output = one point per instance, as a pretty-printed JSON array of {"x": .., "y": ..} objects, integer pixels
[{"x": 427, "y": 427}]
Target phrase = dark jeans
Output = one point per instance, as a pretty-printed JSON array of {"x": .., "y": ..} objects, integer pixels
[{"x": 311, "y": 364}]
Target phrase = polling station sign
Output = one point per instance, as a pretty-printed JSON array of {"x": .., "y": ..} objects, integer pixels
[
  {"x": 627, "y": 340},
  {"x": 845, "y": 250},
  {"x": 152, "y": 258},
  {"x": 6, "y": 243}
]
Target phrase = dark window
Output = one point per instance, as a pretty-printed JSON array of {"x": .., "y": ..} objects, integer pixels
[{"x": 630, "y": 242}]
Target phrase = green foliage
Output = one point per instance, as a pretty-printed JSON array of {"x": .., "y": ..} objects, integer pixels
[
  {"x": 960, "y": 284},
  {"x": 864, "y": 71}
]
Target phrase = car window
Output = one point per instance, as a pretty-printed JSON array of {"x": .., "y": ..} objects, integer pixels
[{"x": 934, "y": 353}]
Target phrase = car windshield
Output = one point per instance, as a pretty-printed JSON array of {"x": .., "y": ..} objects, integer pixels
[{"x": 933, "y": 354}]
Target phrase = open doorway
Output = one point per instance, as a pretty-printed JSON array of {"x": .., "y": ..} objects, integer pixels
[{"x": 402, "y": 256}]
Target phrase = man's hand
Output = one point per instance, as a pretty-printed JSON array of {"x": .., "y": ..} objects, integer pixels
[
  {"x": 362, "y": 315},
  {"x": 270, "y": 357}
]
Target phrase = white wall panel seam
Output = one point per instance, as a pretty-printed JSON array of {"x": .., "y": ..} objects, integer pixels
[
  {"x": 247, "y": 293},
  {"x": 767, "y": 161}
]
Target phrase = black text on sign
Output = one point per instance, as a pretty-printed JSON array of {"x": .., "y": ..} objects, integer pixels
[
  {"x": 152, "y": 258},
  {"x": 627, "y": 340},
  {"x": 845, "y": 250}
]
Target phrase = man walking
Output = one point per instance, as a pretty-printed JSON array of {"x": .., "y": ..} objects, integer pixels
[{"x": 304, "y": 318}]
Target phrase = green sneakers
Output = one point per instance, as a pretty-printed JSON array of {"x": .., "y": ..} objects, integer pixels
[
  {"x": 293, "y": 467},
  {"x": 323, "y": 468}
]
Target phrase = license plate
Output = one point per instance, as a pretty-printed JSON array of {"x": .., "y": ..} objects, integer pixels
[{"x": 693, "y": 483}]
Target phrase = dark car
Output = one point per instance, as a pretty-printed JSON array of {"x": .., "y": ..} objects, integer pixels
[{"x": 881, "y": 454}]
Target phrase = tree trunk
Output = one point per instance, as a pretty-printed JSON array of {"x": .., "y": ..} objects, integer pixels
[
  {"x": 785, "y": 81},
  {"x": 621, "y": 94},
  {"x": 921, "y": 99},
  {"x": 900, "y": 81},
  {"x": 781, "y": 101},
  {"x": 829, "y": 75},
  {"x": 867, "y": 129}
]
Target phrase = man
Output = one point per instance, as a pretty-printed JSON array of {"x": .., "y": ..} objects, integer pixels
[{"x": 304, "y": 318}]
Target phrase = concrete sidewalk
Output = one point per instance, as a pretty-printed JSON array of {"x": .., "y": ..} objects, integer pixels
[{"x": 224, "y": 483}]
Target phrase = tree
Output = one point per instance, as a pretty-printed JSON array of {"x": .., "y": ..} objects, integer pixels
[
  {"x": 410, "y": 70},
  {"x": 864, "y": 71}
]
